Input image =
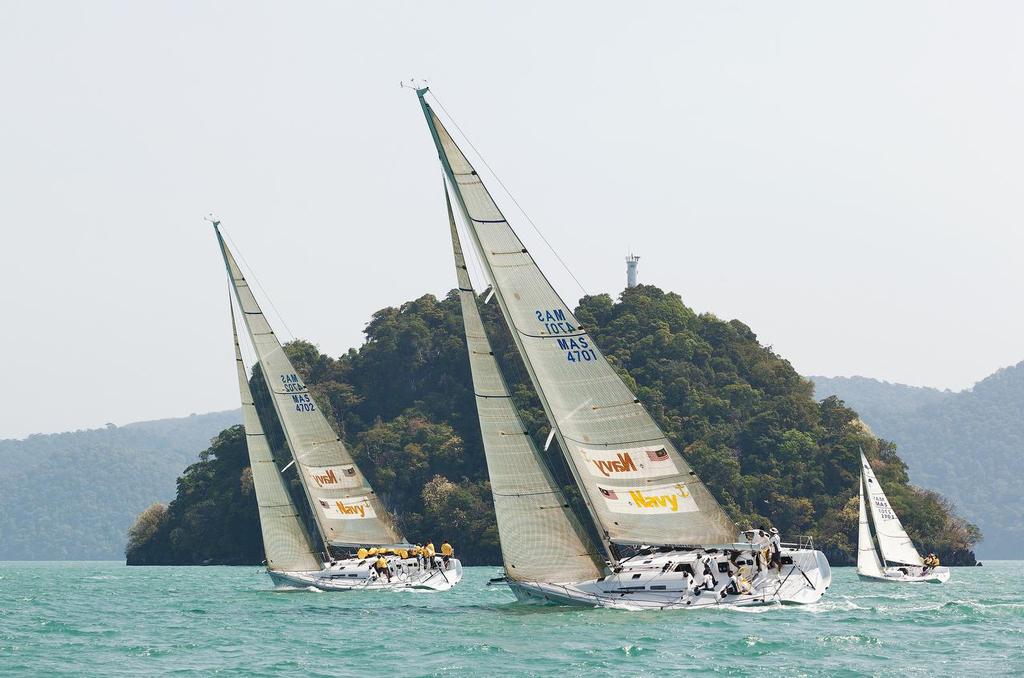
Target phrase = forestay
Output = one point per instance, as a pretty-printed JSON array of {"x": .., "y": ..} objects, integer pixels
[
  {"x": 867, "y": 558},
  {"x": 637, "y": 486},
  {"x": 542, "y": 540},
  {"x": 893, "y": 540},
  {"x": 347, "y": 511},
  {"x": 285, "y": 541}
]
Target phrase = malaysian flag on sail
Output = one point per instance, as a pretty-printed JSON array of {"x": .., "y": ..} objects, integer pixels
[
  {"x": 349, "y": 471},
  {"x": 608, "y": 494},
  {"x": 324, "y": 504},
  {"x": 658, "y": 455}
]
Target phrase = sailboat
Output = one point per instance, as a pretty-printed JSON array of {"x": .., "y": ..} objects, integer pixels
[
  {"x": 651, "y": 535},
  {"x": 900, "y": 561},
  {"x": 348, "y": 516}
]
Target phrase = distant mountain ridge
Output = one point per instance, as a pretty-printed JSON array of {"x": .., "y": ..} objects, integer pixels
[
  {"x": 967, "y": 445},
  {"x": 72, "y": 496}
]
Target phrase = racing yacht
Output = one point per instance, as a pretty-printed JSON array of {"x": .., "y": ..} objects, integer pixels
[
  {"x": 352, "y": 525},
  {"x": 650, "y": 534}
]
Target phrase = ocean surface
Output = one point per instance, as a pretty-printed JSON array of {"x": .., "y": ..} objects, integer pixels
[{"x": 105, "y": 619}]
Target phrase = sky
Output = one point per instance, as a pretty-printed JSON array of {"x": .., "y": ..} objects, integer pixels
[{"x": 842, "y": 177}]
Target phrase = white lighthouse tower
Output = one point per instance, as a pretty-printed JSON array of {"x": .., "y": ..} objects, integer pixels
[{"x": 631, "y": 262}]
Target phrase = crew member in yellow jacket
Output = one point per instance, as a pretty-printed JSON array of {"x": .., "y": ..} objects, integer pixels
[{"x": 381, "y": 566}]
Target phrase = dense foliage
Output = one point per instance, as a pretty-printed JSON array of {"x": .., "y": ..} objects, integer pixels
[
  {"x": 211, "y": 519},
  {"x": 743, "y": 418},
  {"x": 72, "y": 496},
  {"x": 969, "y": 445}
]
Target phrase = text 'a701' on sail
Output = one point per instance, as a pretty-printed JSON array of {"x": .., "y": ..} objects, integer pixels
[
  {"x": 361, "y": 548},
  {"x": 651, "y": 535}
]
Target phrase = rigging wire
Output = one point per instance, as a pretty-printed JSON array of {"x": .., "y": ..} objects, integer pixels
[
  {"x": 252, "y": 274},
  {"x": 508, "y": 192}
]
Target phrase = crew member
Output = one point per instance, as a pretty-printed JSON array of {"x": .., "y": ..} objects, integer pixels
[
  {"x": 381, "y": 566},
  {"x": 776, "y": 546},
  {"x": 446, "y": 552},
  {"x": 931, "y": 561},
  {"x": 428, "y": 554}
]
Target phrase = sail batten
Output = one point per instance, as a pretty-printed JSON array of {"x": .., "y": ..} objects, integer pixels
[
  {"x": 542, "y": 540},
  {"x": 893, "y": 541},
  {"x": 347, "y": 511},
  {"x": 637, "y": 486},
  {"x": 286, "y": 543}
]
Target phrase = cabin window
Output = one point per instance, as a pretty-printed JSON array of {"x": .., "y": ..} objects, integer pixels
[
  {"x": 659, "y": 587},
  {"x": 787, "y": 560},
  {"x": 636, "y": 576}
]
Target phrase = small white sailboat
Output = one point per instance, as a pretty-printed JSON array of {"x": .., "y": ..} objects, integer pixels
[
  {"x": 900, "y": 561},
  {"x": 652, "y": 537},
  {"x": 349, "y": 517}
]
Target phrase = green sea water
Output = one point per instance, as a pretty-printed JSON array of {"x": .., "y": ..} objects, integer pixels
[{"x": 105, "y": 619}]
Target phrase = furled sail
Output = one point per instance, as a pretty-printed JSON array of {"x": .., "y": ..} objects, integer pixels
[
  {"x": 636, "y": 484},
  {"x": 542, "y": 540},
  {"x": 347, "y": 511},
  {"x": 893, "y": 540},
  {"x": 285, "y": 541},
  {"x": 867, "y": 558}
]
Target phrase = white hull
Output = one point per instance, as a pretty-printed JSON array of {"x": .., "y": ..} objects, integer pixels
[
  {"x": 354, "y": 574},
  {"x": 647, "y": 584},
  {"x": 938, "y": 575}
]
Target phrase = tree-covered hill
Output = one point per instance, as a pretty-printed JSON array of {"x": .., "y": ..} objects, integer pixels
[
  {"x": 742, "y": 416},
  {"x": 71, "y": 496},
  {"x": 968, "y": 445}
]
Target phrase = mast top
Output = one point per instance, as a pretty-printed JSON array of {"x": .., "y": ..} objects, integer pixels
[
  {"x": 213, "y": 220},
  {"x": 418, "y": 85}
]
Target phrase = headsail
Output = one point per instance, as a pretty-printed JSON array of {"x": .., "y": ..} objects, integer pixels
[
  {"x": 347, "y": 511},
  {"x": 285, "y": 541},
  {"x": 867, "y": 558},
  {"x": 893, "y": 540},
  {"x": 637, "y": 486},
  {"x": 542, "y": 540}
]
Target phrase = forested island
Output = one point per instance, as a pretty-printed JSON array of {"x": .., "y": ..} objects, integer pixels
[{"x": 744, "y": 419}]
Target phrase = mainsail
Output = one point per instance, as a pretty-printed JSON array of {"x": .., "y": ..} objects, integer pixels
[
  {"x": 541, "y": 538},
  {"x": 867, "y": 558},
  {"x": 285, "y": 542},
  {"x": 893, "y": 541},
  {"x": 347, "y": 511},
  {"x": 637, "y": 486}
]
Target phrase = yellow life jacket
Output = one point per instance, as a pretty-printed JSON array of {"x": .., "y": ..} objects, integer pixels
[
  {"x": 362, "y": 554},
  {"x": 381, "y": 564},
  {"x": 429, "y": 549},
  {"x": 447, "y": 550}
]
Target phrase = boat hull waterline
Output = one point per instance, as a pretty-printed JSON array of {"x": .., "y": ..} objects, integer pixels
[
  {"x": 357, "y": 575},
  {"x": 803, "y": 580},
  {"x": 898, "y": 575}
]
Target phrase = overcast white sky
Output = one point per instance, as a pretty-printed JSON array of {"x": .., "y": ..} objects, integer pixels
[{"x": 844, "y": 178}]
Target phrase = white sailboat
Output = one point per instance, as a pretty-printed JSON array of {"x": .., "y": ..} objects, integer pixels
[
  {"x": 348, "y": 515},
  {"x": 651, "y": 527},
  {"x": 900, "y": 561}
]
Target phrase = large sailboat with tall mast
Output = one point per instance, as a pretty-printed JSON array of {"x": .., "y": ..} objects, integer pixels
[
  {"x": 362, "y": 548},
  {"x": 651, "y": 535},
  {"x": 899, "y": 561}
]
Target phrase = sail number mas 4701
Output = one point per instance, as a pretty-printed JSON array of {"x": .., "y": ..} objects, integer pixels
[{"x": 577, "y": 349}]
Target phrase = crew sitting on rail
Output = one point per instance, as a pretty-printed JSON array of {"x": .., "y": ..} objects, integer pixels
[
  {"x": 931, "y": 561},
  {"x": 362, "y": 553}
]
